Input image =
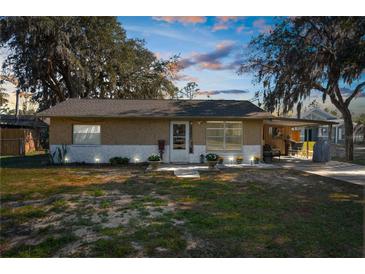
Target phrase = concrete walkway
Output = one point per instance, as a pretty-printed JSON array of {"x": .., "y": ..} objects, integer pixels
[
  {"x": 337, "y": 170},
  {"x": 192, "y": 170}
]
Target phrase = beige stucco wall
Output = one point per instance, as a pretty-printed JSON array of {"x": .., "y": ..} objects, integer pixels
[
  {"x": 113, "y": 131},
  {"x": 252, "y": 132},
  {"x": 142, "y": 132}
]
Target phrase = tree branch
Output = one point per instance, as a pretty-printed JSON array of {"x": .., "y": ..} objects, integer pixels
[
  {"x": 319, "y": 87},
  {"x": 356, "y": 92}
]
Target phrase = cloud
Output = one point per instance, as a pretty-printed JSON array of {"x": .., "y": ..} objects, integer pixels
[
  {"x": 168, "y": 33},
  {"x": 187, "y": 78},
  {"x": 211, "y": 60},
  {"x": 240, "y": 29},
  {"x": 225, "y": 91},
  {"x": 228, "y": 18},
  {"x": 225, "y": 22},
  {"x": 220, "y": 26},
  {"x": 262, "y": 26},
  {"x": 185, "y": 20},
  {"x": 346, "y": 92}
]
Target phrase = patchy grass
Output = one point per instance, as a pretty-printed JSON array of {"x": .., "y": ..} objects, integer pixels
[
  {"x": 97, "y": 193},
  {"x": 43, "y": 250},
  {"x": 125, "y": 212}
]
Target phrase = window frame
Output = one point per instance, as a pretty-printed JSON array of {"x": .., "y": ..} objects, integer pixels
[
  {"x": 89, "y": 125},
  {"x": 224, "y": 149}
]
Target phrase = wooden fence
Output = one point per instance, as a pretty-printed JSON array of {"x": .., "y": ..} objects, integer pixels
[{"x": 17, "y": 141}]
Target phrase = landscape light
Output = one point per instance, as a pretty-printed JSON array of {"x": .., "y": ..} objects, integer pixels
[
  {"x": 66, "y": 159},
  {"x": 97, "y": 159},
  {"x": 231, "y": 158},
  {"x": 136, "y": 159}
]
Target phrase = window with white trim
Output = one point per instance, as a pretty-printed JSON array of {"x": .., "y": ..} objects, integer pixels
[
  {"x": 224, "y": 136},
  {"x": 86, "y": 135}
]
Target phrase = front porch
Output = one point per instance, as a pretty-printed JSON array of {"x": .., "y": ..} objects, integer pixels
[{"x": 283, "y": 135}]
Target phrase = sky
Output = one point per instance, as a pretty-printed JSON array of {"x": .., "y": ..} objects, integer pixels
[{"x": 210, "y": 48}]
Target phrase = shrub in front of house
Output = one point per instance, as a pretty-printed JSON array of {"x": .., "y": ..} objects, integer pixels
[
  {"x": 119, "y": 161},
  {"x": 154, "y": 158}
]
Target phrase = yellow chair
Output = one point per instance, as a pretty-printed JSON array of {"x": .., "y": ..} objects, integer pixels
[{"x": 307, "y": 149}]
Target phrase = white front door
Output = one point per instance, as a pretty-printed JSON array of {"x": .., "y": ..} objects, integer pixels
[{"x": 179, "y": 142}]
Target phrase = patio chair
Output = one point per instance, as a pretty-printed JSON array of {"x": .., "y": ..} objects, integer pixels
[
  {"x": 270, "y": 152},
  {"x": 295, "y": 148}
]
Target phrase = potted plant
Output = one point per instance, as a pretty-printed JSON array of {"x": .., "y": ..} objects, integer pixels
[
  {"x": 212, "y": 159},
  {"x": 239, "y": 160},
  {"x": 256, "y": 160},
  {"x": 154, "y": 160}
]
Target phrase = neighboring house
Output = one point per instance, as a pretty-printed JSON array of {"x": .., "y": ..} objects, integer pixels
[
  {"x": 359, "y": 133},
  {"x": 321, "y": 132},
  {"x": 21, "y": 134},
  {"x": 94, "y": 130}
]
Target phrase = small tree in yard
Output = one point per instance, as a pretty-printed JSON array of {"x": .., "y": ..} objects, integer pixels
[{"x": 305, "y": 54}]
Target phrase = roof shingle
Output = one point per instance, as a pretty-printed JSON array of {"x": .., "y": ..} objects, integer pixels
[{"x": 155, "y": 109}]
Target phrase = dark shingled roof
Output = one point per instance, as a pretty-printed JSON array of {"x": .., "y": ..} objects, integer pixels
[
  {"x": 155, "y": 109},
  {"x": 22, "y": 121}
]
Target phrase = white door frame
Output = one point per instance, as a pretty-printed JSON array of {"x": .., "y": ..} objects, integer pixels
[{"x": 179, "y": 155}]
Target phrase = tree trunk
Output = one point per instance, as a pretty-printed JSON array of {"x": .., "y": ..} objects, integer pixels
[{"x": 349, "y": 136}]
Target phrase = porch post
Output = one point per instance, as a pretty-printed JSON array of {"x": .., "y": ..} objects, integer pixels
[
  {"x": 330, "y": 140},
  {"x": 329, "y": 134}
]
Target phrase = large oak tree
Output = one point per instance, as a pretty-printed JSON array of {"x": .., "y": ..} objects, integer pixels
[
  {"x": 302, "y": 55},
  {"x": 57, "y": 58}
]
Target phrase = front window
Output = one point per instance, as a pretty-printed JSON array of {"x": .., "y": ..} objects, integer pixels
[
  {"x": 86, "y": 134},
  {"x": 224, "y": 136}
]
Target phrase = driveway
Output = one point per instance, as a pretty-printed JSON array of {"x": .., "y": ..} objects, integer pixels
[{"x": 343, "y": 171}]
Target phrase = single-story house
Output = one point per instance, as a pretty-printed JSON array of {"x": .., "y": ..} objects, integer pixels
[{"x": 95, "y": 130}]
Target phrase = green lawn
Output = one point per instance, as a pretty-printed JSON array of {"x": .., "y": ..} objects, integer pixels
[{"x": 125, "y": 212}]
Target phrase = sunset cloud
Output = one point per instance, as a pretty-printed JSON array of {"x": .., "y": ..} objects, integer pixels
[
  {"x": 211, "y": 66},
  {"x": 213, "y": 60},
  {"x": 240, "y": 29},
  {"x": 221, "y": 26},
  {"x": 224, "y": 22},
  {"x": 225, "y": 91},
  {"x": 210, "y": 60},
  {"x": 185, "y": 20},
  {"x": 261, "y": 26},
  {"x": 228, "y": 18},
  {"x": 187, "y": 78}
]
